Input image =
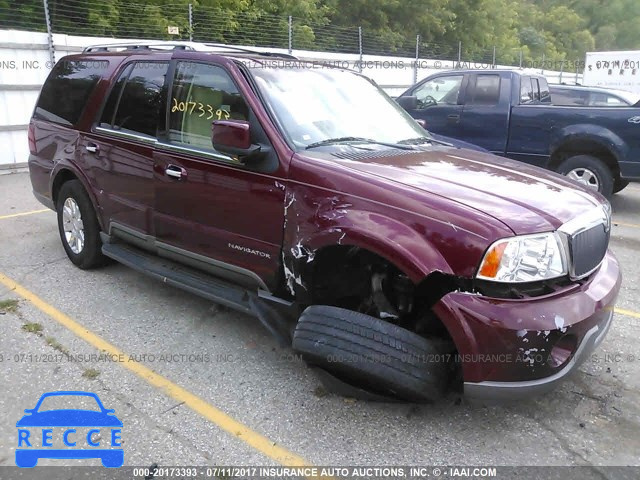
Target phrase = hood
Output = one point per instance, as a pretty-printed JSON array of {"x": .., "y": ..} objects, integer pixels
[{"x": 527, "y": 199}]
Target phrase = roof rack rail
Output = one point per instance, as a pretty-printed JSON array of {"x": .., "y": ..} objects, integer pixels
[
  {"x": 251, "y": 51},
  {"x": 193, "y": 46},
  {"x": 137, "y": 46}
]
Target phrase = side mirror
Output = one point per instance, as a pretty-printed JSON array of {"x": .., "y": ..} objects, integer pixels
[
  {"x": 233, "y": 138},
  {"x": 409, "y": 102}
]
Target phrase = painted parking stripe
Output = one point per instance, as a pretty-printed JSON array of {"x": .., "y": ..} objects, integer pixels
[
  {"x": 195, "y": 403},
  {"x": 622, "y": 224},
  {"x": 13, "y": 215},
  {"x": 628, "y": 313}
]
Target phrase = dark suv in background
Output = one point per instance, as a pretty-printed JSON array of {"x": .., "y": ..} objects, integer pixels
[{"x": 396, "y": 263}]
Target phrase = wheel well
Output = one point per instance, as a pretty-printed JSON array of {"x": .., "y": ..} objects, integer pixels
[
  {"x": 360, "y": 280},
  {"x": 62, "y": 177},
  {"x": 584, "y": 147}
]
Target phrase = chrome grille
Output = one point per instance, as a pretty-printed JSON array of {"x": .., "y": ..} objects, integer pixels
[{"x": 588, "y": 248}]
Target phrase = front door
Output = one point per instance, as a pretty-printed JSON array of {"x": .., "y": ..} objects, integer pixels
[
  {"x": 211, "y": 211},
  {"x": 439, "y": 104}
]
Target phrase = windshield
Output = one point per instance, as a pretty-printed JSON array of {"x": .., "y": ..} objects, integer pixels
[
  {"x": 66, "y": 402},
  {"x": 316, "y": 105}
]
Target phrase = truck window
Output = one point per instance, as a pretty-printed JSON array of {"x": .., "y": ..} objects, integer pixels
[
  {"x": 486, "y": 91},
  {"x": 201, "y": 94},
  {"x": 67, "y": 89},
  {"x": 134, "y": 103},
  {"x": 526, "y": 90},
  {"x": 545, "y": 95},
  {"x": 438, "y": 91},
  {"x": 535, "y": 87}
]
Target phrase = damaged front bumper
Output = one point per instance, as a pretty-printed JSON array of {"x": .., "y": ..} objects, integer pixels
[{"x": 513, "y": 349}]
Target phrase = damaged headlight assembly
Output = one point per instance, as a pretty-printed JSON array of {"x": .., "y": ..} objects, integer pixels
[{"x": 525, "y": 258}]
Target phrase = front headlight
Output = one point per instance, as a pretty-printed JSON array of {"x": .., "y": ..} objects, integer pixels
[{"x": 526, "y": 258}]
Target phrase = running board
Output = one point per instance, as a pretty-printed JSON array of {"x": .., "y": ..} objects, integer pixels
[
  {"x": 176, "y": 275},
  {"x": 276, "y": 314}
]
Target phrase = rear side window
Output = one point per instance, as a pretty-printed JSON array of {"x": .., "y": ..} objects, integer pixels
[
  {"x": 526, "y": 90},
  {"x": 67, "y": 89},
  {"x": 487, "y": 90},
  {"x": 545, "y": 96},
  {"x": 536, "y": 89},
  {"x": 136, "y": 98}
]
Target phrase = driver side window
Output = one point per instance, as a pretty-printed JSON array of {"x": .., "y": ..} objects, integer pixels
[
  {"x": 439, "y": 91},
  {"x": 202, "y": 93}
]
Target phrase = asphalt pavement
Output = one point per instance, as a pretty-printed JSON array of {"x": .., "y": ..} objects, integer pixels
[{"x": 202, "y": 385}]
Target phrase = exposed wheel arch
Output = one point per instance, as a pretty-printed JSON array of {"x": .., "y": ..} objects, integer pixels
[
  {"x": 580, "y": 146},
  {"x": 63, "y": 176}
]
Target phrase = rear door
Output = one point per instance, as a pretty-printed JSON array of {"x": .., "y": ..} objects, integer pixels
[
  {"x": 440, "y": 103},
  {"x": 120, "y": 149},
  {"x": 212, "y": 211},
  {"x": 485, "y": 115}
]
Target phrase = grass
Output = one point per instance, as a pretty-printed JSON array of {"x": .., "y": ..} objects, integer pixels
[
  {"x": 9, "y": 306},
  {"x": 32, "y": 327},
  {"x": 56, "y": 345},
  {"x": 91, "y": 373}
]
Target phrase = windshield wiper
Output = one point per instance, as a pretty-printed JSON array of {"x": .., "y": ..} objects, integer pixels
[
  {"x": 334, "y": 141},
  {"x": 421, "y": 140}
]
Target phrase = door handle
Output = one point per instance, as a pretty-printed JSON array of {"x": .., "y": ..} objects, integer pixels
[
  {"x": 176, "y": 172},
  {"x": 92, "y": 147},
  {"x": 454, "y": 117}
]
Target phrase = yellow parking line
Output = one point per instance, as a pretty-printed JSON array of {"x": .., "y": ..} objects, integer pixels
[
  {"x": 13, "y": 215},
  {"x": 195, "y": 403},
  {"x": 621, "y": 224},
  {"x": 628, "y": 313}
]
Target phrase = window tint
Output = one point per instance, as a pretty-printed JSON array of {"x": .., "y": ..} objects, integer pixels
[
  {"x": 526, "y": 90},
  {"x": 134, "y": 102},
  {"x": 67, "y": 90},
  {"x": 201, "y": 94},
  {"x": 441, "y": 90},
  {"x": 487, "y": 90}
]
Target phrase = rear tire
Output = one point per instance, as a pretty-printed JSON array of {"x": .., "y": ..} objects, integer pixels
[
  {"x": 373, "y": 354},
  {"x": 78, "y": 226},
  {"x": 589, "y": 171}
]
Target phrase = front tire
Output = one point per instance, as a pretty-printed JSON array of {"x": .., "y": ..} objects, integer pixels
[
  {"x": 78, "y": 226},
  {"x": 373, "y": 354},
  {"x": 619, "y": 185},
  {"x": 589, "y": 171}
]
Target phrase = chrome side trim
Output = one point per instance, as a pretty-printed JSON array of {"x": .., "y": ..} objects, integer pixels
[
  {"x": 208, "y": 264},
  {"x": 217, "y": 264},
  {"x": 127, "y": 135},
  {"x": 194, "y": 151}
]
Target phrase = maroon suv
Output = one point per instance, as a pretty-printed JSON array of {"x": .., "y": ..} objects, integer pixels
[{"x": 303, "y": 195}]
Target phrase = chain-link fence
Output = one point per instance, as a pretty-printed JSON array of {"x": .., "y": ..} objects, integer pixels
[{"x": 182, "y": 20}]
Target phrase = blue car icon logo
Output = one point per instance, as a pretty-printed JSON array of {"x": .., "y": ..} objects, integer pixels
[{"x": 69, "y": 433}]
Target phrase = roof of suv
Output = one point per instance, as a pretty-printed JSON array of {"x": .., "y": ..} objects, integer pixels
[{"x": 169, "y": 47}]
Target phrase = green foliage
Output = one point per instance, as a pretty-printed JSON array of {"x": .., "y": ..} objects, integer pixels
[{"x": 534, "y": 29}]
